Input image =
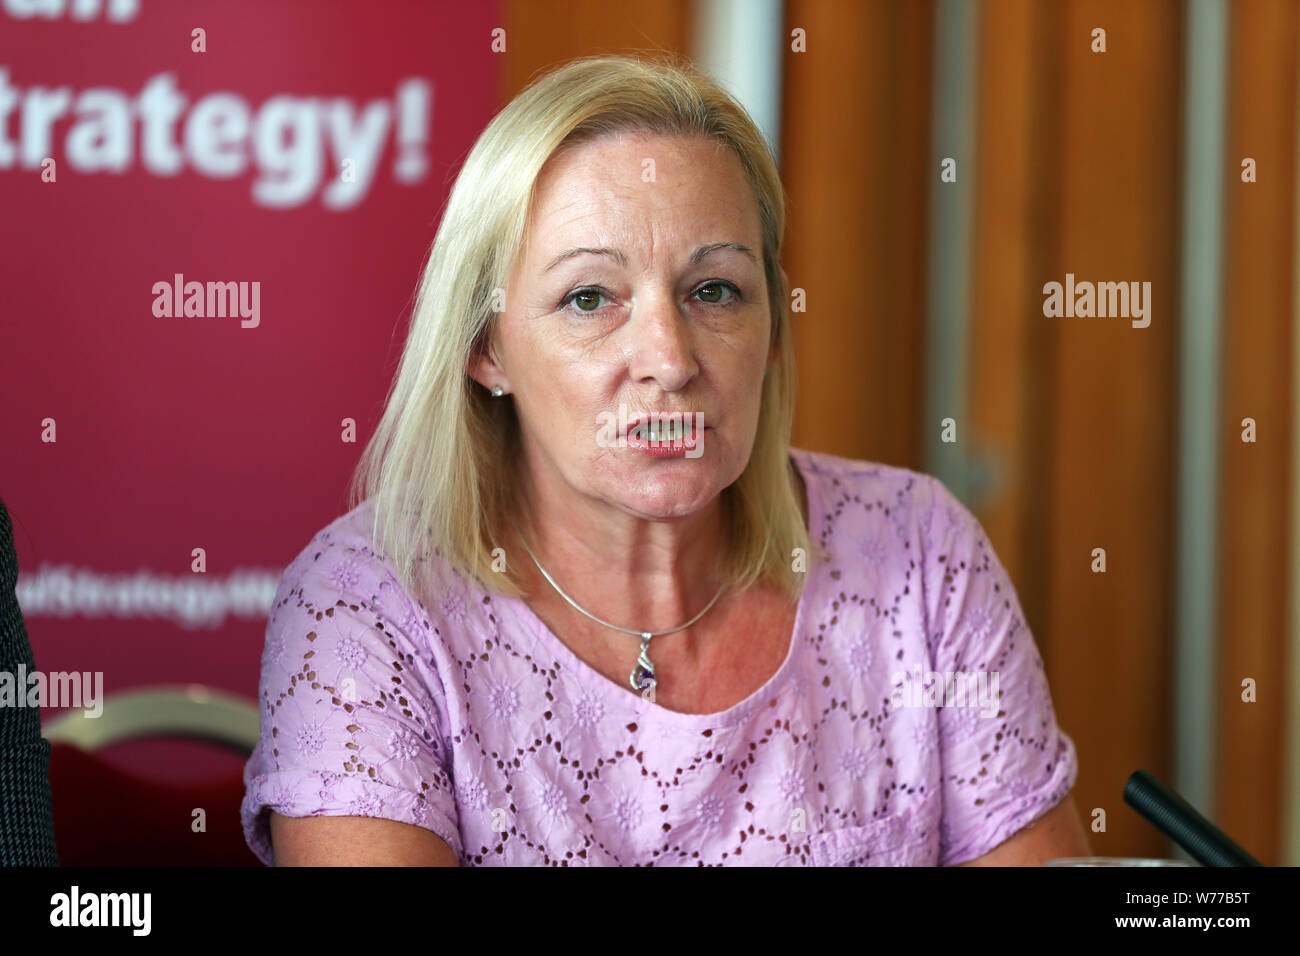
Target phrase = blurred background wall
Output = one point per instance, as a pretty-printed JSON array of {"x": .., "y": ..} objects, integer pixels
[{"x": 943, "y": 161}]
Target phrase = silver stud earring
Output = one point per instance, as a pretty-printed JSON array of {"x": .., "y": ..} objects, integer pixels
[{"x": 497, "y": 391}]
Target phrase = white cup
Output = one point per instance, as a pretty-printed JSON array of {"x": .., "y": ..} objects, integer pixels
[{"x": 1114, "y": 861}]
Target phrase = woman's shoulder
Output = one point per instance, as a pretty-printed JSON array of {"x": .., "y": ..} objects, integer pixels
[
  {"x": 344, "y": 566},
  {"x": 858, "y": 479},
  {"x": 341, "y": 556},
  {"x": 886, "y": 514}
]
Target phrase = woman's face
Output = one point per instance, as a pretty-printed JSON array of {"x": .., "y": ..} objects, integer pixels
[{"x": 666, "y": 319}]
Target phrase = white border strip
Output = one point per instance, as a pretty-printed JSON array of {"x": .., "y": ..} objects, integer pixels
[
  {"x": 948, "y": 286},
  {"x": 740, "y": 43},
  {"x": 1196, "y": 605}
]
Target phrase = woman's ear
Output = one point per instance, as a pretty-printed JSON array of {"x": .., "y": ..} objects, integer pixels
[{"x": 484, "y": 369}]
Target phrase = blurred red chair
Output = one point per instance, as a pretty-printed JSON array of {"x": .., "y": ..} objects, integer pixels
[{"x": 105, "y": 816}]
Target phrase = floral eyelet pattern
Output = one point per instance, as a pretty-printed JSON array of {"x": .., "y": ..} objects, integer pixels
[{"x": 456, "y": 710}]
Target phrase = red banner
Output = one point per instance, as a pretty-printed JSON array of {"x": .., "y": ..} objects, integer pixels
[{"x": 215, "y": 215}]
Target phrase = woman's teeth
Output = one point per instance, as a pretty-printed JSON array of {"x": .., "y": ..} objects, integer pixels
[{"x": 662, "y": 431}]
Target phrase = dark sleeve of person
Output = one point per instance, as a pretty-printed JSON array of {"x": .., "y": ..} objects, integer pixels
[{"x": 26, "y": 819}]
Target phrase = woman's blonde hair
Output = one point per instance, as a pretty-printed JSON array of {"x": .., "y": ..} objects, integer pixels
[{"x": 438, "y": 464}]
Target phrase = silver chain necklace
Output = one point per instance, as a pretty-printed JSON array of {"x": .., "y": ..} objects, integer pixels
[{"x": 643, "y": 674}]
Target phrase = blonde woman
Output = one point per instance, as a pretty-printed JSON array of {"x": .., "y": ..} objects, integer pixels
[{"x": 590, "y": 607}]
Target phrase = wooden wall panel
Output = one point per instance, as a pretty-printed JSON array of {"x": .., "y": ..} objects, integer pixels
[
  {"x": 544, "y": 33},
  {"x": 1254, "y": 515},
  {"x": 1112, "y": 434},
  {"x": 1077, "y": 172},
  {"x": 855, "y": 140},
  {"x": 1014, "y": 86}
]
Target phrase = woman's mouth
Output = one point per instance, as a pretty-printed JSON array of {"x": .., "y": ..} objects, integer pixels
[{"x": 668, "y": 436}]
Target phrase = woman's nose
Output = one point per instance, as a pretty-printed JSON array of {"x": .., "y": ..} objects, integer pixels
[{"x": 662, "y": 350}]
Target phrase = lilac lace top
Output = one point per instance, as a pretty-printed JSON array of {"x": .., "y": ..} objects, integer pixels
[{"x": 910, "y": 723}]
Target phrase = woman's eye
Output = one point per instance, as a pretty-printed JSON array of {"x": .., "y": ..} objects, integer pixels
[
  {"x": 711, "y": 293},
  {"x": 584, "y": 298},
  {"x": 710, "y": 289}
]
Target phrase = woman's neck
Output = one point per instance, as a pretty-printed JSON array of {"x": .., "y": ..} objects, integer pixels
[{"x": 630, "y": 571}]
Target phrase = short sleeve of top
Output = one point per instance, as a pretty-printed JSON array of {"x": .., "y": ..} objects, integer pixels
[
  {"x": 1004, "y": 761},
  {"x": 352, "y": 710}
]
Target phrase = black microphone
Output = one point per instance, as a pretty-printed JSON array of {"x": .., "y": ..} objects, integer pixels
[{"x": 1177, "y": 819}]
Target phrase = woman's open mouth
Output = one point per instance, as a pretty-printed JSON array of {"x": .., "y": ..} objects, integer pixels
[{"x": 668, "y": 436}]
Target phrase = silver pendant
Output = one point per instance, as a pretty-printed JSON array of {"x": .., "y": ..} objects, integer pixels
[{"x": 643, "y": 675}]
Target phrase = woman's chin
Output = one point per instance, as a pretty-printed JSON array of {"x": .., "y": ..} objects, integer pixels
[{"x": 663, "y": 501}]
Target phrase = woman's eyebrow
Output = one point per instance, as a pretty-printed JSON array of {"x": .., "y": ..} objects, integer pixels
[
  {"x": 621, "y": 259},
  {"x": 581, "y": 250},
  {"x": 703, "y": 251}
]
